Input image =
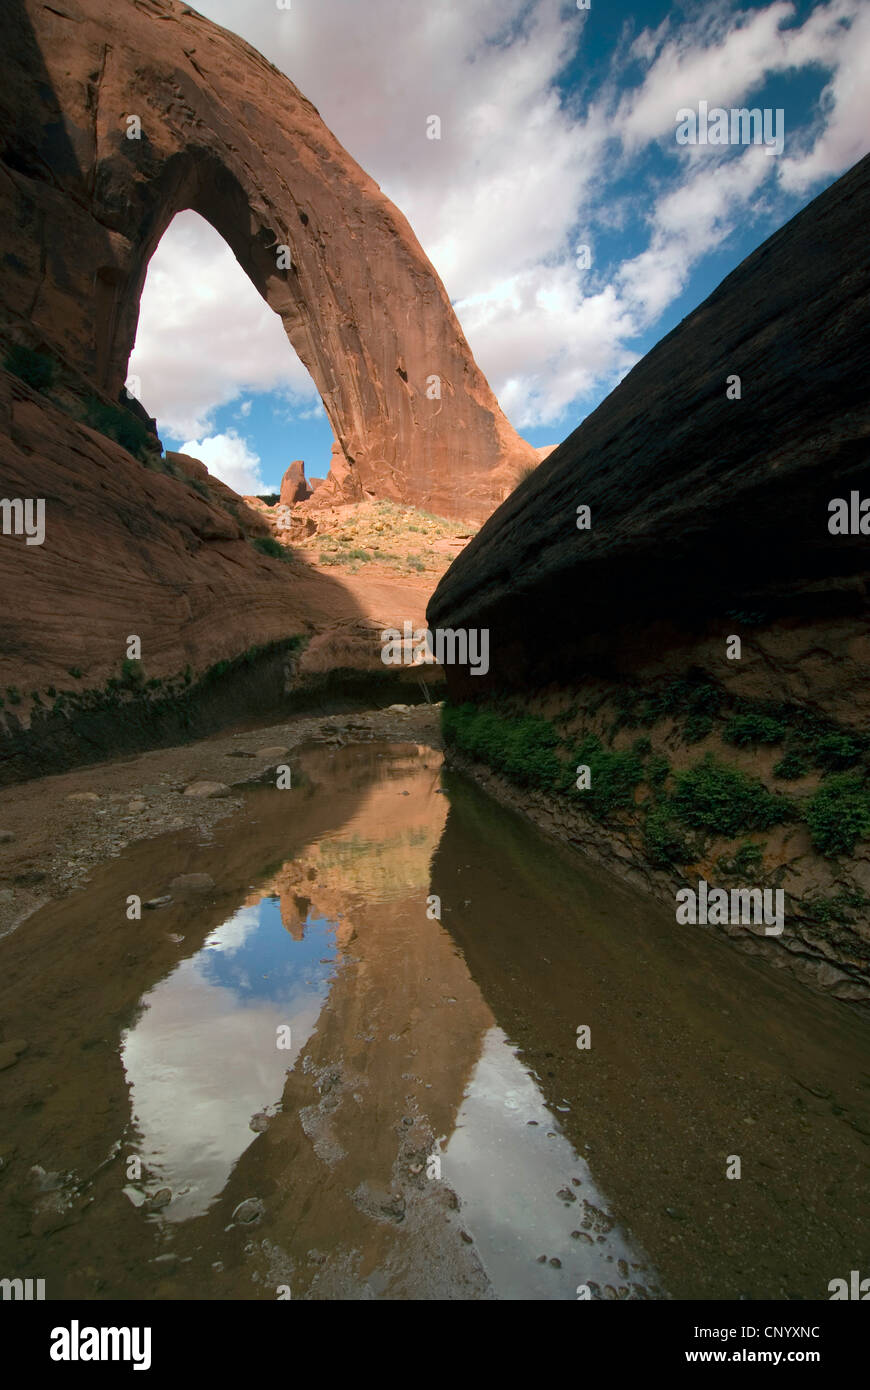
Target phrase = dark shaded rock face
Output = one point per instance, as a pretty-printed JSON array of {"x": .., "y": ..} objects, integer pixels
[{"x": 709, "y": 515}]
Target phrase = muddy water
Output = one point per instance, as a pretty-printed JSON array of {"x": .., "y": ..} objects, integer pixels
[{"x": 299, "y": 1082}]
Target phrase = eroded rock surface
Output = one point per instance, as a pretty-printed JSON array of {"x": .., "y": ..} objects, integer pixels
[{"x": 114, "y": 118}]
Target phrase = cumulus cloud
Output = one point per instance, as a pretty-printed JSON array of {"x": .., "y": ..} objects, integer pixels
[
  {"x": 204, "y": 333},
  {"x": 229, "y": 458},
  {"x": 521, "y": 174}
]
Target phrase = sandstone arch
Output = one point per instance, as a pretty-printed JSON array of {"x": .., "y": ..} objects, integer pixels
[{"x": 226, "y": 134}]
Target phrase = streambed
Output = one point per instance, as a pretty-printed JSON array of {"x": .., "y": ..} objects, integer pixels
[{"x": 294, "y": 1080}]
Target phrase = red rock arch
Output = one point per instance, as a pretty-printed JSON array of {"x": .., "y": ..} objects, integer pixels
[{"x": 226, "y": 134}]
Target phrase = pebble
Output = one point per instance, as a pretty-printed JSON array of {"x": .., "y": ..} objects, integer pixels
[
  {"x": 557, "y": 1264},
  {"x": 193, "y": 883},
  {"x": 466, "y": 1237},
  {"x": 153, "y": 903},
  {"x": 136, "y": 806},
  {"x": 566, "y": 1194},
  {"x": 158, "y": 1200},
  {"x": 260, "y": 1123},
  {"x": 251, "y": 1209},
  {"x": 205, "y": 789},
  {"x": 6, "y": 837}
]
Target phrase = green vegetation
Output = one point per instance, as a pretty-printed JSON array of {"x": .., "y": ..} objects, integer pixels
[
  {"x": 724, "y": 801},
  {"x": 35, "y": 368},
  {"x": 697, "y": 727},
  {"x": 838, "y": 908},
  {"x": 521, "y": 748},
  {"x": 791, "y": 767},
  {"x": 744, "y": 730},
  {"x": 267, "y": 545},
  {"x": 121, "y": 425},
  {"x": 838, "y": 814},
  {"x": 748, "y": 858},
  {"x": 614, "y": 777},
  {"x": 710, "y": 798},
  {"x": 663, "y": 841}
]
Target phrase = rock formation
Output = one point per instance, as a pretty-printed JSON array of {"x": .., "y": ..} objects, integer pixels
[
  {"x": 114, "y": 118},
  {"x": 294, "y": 488},
  {"x": 709, "y": 514},
  {"x": 677, "y": 602}
]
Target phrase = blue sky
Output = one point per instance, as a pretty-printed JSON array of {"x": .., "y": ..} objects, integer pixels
[{"x": 558, "y": 129}]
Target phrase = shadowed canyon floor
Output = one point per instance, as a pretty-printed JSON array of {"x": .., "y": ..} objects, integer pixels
[{"x": 158, "y": 1143}]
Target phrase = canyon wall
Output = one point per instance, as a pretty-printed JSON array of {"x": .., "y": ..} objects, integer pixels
[{"x": 699, "y": 636}]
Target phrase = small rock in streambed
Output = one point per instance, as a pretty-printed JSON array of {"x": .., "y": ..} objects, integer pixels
[
  {"x": 158, "y": 1200},
  {"x": 6, "y": 837},
  {"x": 260, "y": 1123},
  {"x": 251, "y": 1209},
  {"x": 136, "y": 806},
  {"x": 192, "y": 883},
  {"x": 206, "y": 789},
  {"x": 153, "y": 903},
  {"x": 82, "y": 796}
]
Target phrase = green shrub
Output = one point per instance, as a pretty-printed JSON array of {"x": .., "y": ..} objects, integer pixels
[
  {"x": 267, "y": 545},
  {"x": 663, "y": 841},
  {"x": 838, "y": 814},
  {"x": 746, "y": 858},
  {"x": 75, "y": 672},
  {"x": 723, "y": 801},
  {"x": 521, "y": 749},
  {"x": 35, "y": 368},
  {"x": 792, "y": 766},
  {"x": 613, "y": 775},
  {"x": 657, "y": 770},
  {"x": 697, "y": 727},
  {"x": 642, "y": 747},
  {"x": 131, "y": 672},
  {"x": 836, "y": 751},
  {"x": 746, "y": 729},
  {"x": 121, "y": 425},
  {"x": 838, "y": 908}
]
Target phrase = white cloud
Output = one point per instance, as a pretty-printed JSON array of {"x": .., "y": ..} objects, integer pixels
[
  {"x": 518, "y": 178},
  {"x": 205, "y": 335},
  {"x": 229, "y": 458}
]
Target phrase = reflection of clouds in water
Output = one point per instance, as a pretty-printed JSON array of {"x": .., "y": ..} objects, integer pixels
[
  {"x": 232, "y": 935},
  {"x": 202, "y": 1059},
  {"x": 508, "y": 1173}
]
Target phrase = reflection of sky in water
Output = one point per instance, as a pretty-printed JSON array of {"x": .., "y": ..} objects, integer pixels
[
  {"x": 202, "y": 1059},
  {"x": 249, "y": 955},
  {"x": 508, "y": 1174}
]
